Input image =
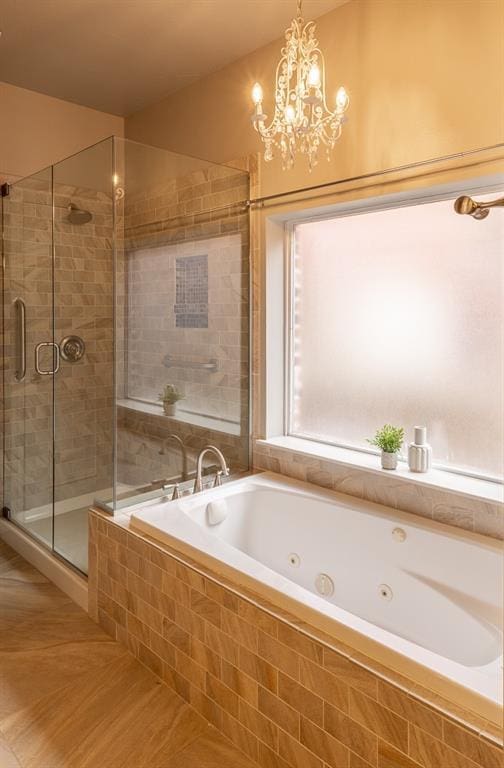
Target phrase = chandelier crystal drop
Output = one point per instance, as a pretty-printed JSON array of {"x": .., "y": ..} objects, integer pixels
[{"x": 302, "y": 121}]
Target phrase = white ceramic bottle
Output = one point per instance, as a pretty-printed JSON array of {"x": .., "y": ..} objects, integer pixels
[{"x": 420, "y": 452}]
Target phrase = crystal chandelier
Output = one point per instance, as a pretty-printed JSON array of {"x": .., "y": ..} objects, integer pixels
[{"x": 302, "y": 120}]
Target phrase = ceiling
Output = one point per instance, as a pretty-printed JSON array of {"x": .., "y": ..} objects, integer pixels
[{"x": 121, "y": 55}]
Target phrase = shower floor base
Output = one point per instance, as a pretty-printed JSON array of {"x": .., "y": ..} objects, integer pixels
[
  {"x": 70, "y": 525},
  {"x": 70, "y": 535}
]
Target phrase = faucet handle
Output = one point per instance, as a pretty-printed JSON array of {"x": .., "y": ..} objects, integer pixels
[
  {"x": 176, "y": 492},
  {"x": 219, "y": 475}
]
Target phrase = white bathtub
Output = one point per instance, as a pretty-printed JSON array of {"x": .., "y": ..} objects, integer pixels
[{"x": 420, "y": 597}]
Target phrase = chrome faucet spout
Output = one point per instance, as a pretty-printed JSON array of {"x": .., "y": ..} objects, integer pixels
[
  {"x": 183, "y": 450},
  {"x": 198, "y": 483}
]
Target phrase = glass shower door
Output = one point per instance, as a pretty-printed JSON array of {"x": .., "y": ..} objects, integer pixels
[
  {"x": 30, "y": 355},
  {"x": 84, "y": 331}
]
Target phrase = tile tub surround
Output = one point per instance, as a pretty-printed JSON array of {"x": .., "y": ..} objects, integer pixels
[
  {"x": 285, "y": 695},
  {"x": 70, "y": 697},
  {"x": 486, "y": 518}
]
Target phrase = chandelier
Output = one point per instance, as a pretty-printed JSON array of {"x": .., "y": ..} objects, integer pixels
[{"x": 302, "y": 121}]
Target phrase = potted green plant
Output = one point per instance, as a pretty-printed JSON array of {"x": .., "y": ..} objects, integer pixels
[
  {"x": 170, "y": 397},
  {"x": 389, "y": 439}
]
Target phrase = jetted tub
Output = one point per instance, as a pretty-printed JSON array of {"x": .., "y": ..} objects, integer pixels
[{"x": 418, "y": 596}]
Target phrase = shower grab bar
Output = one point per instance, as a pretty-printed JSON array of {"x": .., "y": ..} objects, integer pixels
[
  {"x": 56, "y": 357},
  {"x": 210, "y": 366},
  {"x": 20, "y": 310}
]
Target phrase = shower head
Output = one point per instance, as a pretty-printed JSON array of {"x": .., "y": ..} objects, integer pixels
[
  {"x": 466, "y": 205},
  {"x": 77, "y": 215}
]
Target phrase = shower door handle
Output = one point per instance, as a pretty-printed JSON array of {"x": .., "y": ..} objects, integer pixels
[
  {"x": 56, "y": 358},
  {"x": 20, "y": 310}
]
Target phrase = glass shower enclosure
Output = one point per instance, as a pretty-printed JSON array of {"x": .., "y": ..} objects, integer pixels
[{"x": 125, "y": 271}]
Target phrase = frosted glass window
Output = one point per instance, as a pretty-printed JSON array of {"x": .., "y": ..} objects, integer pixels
[{"x": 398, "y": 318}]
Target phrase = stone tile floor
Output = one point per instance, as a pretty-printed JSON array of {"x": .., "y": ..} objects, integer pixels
[{"x": 71, "y": 697}]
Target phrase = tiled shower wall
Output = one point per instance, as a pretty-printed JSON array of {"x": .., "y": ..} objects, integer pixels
[
  {"x": 199, "y": 216},
  {"x": 200, "y": 220},
  {"x": 84, "y": 270},
  {"x": 83, "y": 296},
  {"x": 162, "y": 352}
]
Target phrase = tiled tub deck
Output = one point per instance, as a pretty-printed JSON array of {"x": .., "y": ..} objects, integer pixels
[{"x": 286, "y": 698}]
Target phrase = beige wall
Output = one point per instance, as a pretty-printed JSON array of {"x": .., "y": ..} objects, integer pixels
[
  {"x": 38, "y": 130},
  {"x": 426, "y": 78}
]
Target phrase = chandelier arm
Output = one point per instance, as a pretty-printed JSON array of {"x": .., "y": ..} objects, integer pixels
[
  {"x": 267, "y": 132},
  {"x": 322, "y": 79},
  {"x": 282, "y": 64}
]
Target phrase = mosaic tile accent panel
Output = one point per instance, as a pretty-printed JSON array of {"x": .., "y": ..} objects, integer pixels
[
  {"x": 191, "y": 292},
  {"x": 285, "y": 697}
]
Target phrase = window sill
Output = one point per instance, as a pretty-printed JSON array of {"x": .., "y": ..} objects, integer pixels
[{"x": 451, "y": 482}]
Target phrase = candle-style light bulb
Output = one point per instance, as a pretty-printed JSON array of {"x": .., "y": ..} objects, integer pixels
[
  {"x": 290, "y": 114},
  {"x": 314, "y": 76},
  {"x": 341, "y": 99},
  {"x": 257, "y": 94}
]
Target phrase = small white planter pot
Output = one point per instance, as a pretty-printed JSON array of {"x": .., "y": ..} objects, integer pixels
[
  {"x": 388, "y": 460},
  {"x": 170, "y": 409}
]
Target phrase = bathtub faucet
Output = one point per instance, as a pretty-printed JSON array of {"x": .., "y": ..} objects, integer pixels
[
  {"x": 198, "y": 485},
  {"x": 183, "y": 451}
]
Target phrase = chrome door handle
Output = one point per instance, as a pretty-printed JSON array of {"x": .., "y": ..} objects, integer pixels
[
  {"x": 56, "y": 358},
  {"x": 20, "y": 310}
]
